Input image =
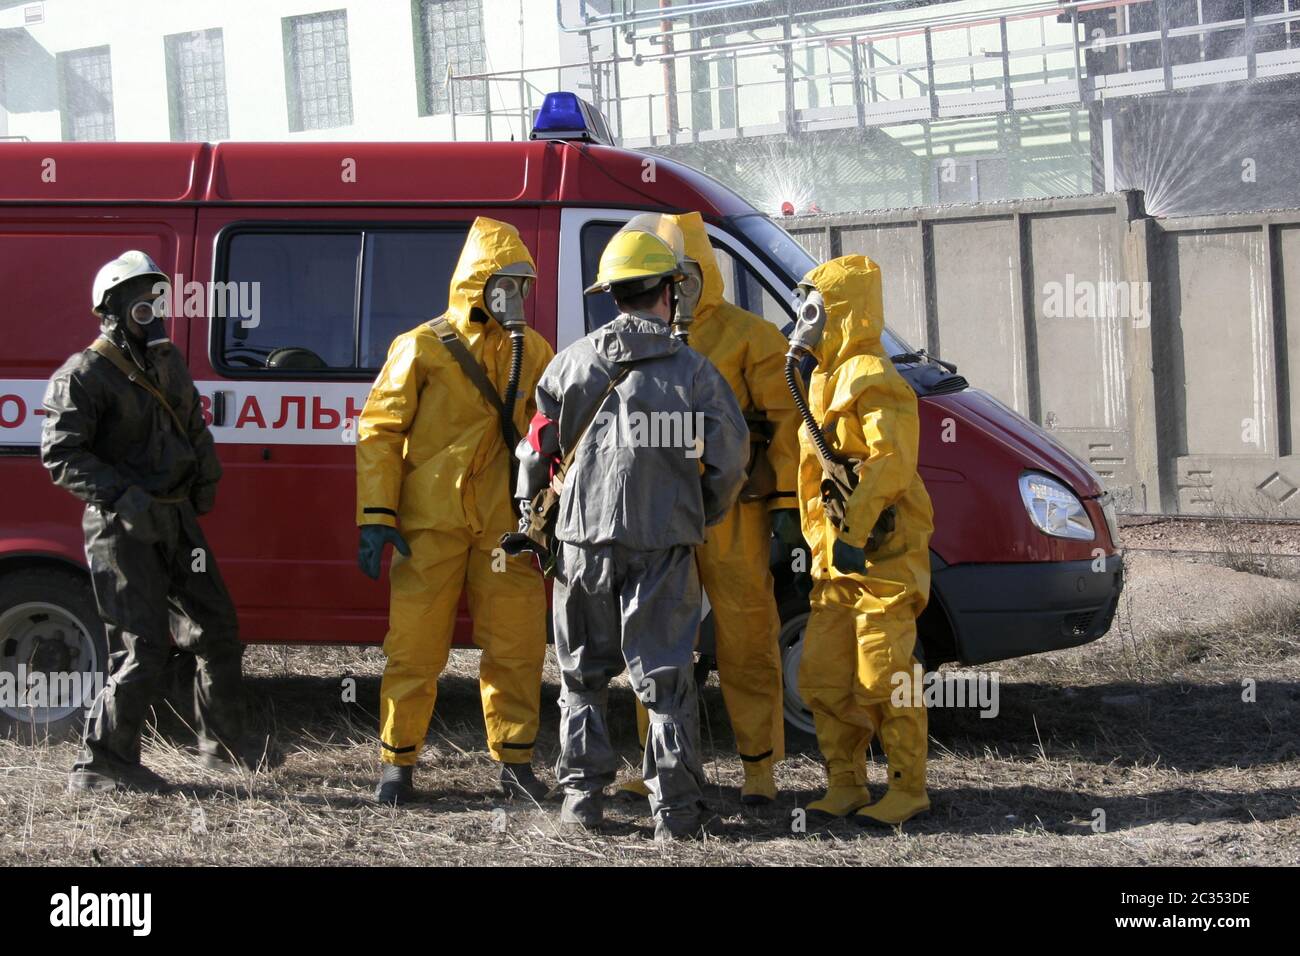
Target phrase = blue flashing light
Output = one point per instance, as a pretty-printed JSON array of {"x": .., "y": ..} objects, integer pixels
[{"x": 568, "y": 116}]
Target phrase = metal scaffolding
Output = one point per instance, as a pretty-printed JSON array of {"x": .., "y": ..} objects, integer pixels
[{"x": 761, "y": 68}]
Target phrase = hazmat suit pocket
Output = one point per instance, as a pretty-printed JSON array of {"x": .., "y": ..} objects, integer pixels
[
  {"x": 876, "y": 669},
  {"x": 432, "y": 493},
  {"x": 885, "y": 645}
]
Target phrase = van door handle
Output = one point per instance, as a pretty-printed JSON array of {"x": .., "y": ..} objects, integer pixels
[{"x": 219, "y": 406}]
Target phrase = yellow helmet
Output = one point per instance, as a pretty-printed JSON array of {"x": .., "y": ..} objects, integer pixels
[{"x": 645, "y": 251}]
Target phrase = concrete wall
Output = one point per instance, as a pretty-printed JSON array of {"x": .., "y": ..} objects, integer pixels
[{"x": 1156, "y": 349}]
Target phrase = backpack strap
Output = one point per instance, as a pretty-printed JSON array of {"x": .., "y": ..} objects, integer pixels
[
  {"x": 474, "y": 372},
  {"x": 110, "y": 351},
  {"x": 567, "y": 460}
]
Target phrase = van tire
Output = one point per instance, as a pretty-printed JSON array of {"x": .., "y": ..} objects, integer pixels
[
  {"x": 49, "y": 622},
  {"x": 798, "y": 719}
]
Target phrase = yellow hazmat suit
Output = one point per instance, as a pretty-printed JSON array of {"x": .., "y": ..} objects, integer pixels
[
  {"x": 862, "y": 628},
  {"x": 431, "y": 461},
  {"x": 733, "y": 561}
]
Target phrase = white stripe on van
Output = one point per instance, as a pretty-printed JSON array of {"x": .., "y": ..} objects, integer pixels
[{"x": 257, "y": 413}]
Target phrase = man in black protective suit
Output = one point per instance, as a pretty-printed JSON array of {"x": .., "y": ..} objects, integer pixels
[{"x": 124, "y": 432}]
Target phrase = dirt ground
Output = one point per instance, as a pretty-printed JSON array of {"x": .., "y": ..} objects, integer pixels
[{"x": 1175, "y": 739}]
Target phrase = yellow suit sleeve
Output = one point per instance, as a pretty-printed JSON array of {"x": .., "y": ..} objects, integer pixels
[
  {"x": 765, "y": 378},
  {"x": 381, "y": 433},
  {"x": 874, "y": 419},
  {"x": 539, "y": 355}
]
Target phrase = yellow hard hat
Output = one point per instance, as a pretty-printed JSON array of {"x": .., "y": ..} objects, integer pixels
[{"x": 646, "y": 250}]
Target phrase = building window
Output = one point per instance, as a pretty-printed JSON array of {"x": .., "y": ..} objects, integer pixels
[
  {"x": 86, "y": 94},
  {"x": 449, "y": 39},
  {"x": 318, "y": 80},
  {"x": 196, "y": 86}
]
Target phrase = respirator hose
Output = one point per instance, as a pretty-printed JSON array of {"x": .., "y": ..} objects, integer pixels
[
  {"x": 516, "y": 369},
  {"x": 801, "y": 402}
]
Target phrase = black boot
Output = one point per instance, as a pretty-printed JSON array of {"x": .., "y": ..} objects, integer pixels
[
  {"x": 249, "y": 756},
  {"x": 138, "y": 778},
  {"x": 395, "y": 785},
  {"x": 518, "y": 781}
]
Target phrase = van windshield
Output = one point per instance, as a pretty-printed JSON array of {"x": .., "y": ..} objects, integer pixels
[{"x": 792, "y": 261}]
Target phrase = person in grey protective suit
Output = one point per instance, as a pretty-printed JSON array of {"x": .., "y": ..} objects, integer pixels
[
  {"x": 657, "y": 449},
  {"x": 145, "y": 471}
]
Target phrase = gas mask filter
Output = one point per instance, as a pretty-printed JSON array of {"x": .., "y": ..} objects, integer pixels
[
  {"x": 810, "y": 323},
  {"x": 146, "y": 311},
  {"x": 505, "y": 293}
]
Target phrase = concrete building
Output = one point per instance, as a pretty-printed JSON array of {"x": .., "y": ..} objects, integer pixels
[{"x": 260, "y": 69}]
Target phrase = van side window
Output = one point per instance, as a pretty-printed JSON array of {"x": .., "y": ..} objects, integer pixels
[
  {"x": 327, "y": 303},
  {"x": 599, "y": 308},
  {"x": 745, "y": 290},
  {"x": 740, "y": 283},
  {"x": 404, "y": 282}
]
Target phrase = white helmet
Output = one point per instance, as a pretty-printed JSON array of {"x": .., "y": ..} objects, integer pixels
[{"x": 129, "y": 265}]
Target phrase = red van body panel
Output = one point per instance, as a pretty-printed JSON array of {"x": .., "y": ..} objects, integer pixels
[{"x": 283, "y": 528}]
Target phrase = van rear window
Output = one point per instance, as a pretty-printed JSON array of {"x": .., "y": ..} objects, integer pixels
[{"x": 327, "y": 302}]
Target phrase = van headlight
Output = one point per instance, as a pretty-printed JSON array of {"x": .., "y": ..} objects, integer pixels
[{"x": 1053, "y": 508}]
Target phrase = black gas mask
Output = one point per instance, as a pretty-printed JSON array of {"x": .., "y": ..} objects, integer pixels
[{"x": 143, "y": 311}]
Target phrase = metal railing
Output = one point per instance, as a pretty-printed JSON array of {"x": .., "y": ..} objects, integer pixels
[{"x": 928, "y": 65}]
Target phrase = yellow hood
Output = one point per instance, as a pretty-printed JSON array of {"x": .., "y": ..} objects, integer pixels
[
  {"x": 698, "y": 247},
  {"x": 855, "y": 314},
  {"x": 489, "y": 248}
]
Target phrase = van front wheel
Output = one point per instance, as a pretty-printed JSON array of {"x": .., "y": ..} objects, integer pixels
[
  {"x": 794, "y": 620},
  {"x": 53, "y": 653}
]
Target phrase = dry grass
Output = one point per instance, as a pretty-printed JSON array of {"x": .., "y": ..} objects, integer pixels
[{"x": 1147, "y": 725}]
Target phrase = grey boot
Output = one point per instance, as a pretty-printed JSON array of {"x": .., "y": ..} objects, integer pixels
[
  {"x": 695, "y": 826},
  {"x": 395, "y": 785},
  {"x": 585, "y": 810}
]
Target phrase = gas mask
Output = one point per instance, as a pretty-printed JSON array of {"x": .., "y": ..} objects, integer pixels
[
  {"x": 809, "y": 324},
  {"x": 688, "y": 297},
  {"x": 505, "y": 292},
  {"x": 503, "y": 297},
  {"x": 147, "y": 312}
]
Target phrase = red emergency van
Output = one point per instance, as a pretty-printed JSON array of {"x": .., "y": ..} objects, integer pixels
[{"x": 295, "y": 265}]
